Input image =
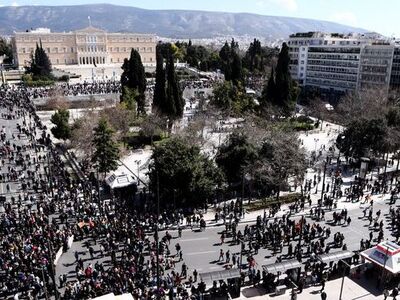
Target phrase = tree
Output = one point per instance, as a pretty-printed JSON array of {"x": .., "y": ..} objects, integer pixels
[
  {"x": 60, "y": 119},
  {"x": 82, "y": 134},
  {"x": 362, "y": 136},
  {"x": 40, "y": 66},
  {"x": 119, "y": 118},
  {"x": 181, "y": 172},
  {"x": 269, "y": 91},
  {"x": 280, "y": 158},
  {"x": 366, "y": 104},
  {"x": 133, "y": 78},
  {"x": 6, "y": 50},
  {"x": 283, "y": 91},
  {"x": 168, "y": 98},
  {"x": 235, "y": 156},
  {"x": 106, "y": 153},
  {"x": 225, "y": 58},
  {"x": 129, "y": 98},
  {"x": 231, "y": 98},
  {"x": 175, "y": 102},
  {"x": 159, "y": 100},
  {"x": 153, "y": 126}
]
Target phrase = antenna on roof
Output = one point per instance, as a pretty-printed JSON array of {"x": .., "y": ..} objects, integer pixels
[{"x": 90, "y": 21}]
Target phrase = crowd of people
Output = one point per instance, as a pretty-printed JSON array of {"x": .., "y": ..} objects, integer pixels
[
  {"x": 118, "y": 249},
  {"x": 76, "y": 89}
]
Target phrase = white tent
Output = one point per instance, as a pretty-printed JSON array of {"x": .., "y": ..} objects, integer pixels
[
  {"x": 385, "y": 255},
  {"x": 111, "y": 296},
  {"x": 120, "y": 181}
]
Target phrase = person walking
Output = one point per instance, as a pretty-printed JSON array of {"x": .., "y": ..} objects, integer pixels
[
  {"x": 395, "y": 293},
  {"x": 385, "y": 294},
  {"x": 323, "y": 295}
]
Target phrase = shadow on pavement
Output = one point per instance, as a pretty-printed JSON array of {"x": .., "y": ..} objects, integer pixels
[
  {"x": 368, "y": 285},
  {"x": 250, "y": 292}
]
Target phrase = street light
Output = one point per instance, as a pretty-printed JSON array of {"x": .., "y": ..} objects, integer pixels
[
  {"x": 343, "y": 275},
  {"x": 138, "y": 169}
]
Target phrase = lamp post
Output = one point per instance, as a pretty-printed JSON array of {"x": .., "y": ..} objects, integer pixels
[
  {"x": 323, "y": 180},
  {"x": 157, "y": 242},
  {"x": 138, "y": 170},
  {"x": 50, "y": 175},
  {"x": 344, "y": 270}
]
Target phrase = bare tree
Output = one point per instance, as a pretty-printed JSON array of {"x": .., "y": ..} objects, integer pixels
[
  {"x": 82, "y": 134},
  {"x": 281, "y": 159},
  {"x": 119, "y": 118},
  {"x": 368, "y": 104},
  {"x": 56, "y": 100},
  {"x": 153, "y": 125}
]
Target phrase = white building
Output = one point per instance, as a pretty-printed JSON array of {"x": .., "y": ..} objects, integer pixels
[{"x": 336, "y": 62}]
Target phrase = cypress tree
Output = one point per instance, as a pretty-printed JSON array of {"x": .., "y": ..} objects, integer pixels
[
  {"x": 174, "y": 99},
  {"x": 237, "y": 70},
  {"x": 40, "y": 64},
  {"x": 269, "y": 91},
  {"x": 283, "y": 81},
  {"x": 133, "y": 77},
  {"x": 159, "y": 100}
]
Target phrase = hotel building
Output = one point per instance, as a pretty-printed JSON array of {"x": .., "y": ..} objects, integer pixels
[{"x": 336, "y": 62}]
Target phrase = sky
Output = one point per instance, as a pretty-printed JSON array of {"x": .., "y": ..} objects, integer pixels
[{"x": 380, "y": 16}]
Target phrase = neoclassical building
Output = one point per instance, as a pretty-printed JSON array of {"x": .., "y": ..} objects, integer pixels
[{"x": 89, "y": 51}]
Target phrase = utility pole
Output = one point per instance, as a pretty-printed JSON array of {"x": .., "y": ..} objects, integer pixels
[
  {"x": 44, "y": 284},
  {"x": 157, "y": 243},
  {"x": 52, "y": 270},
  {"x": 323, "y": 182},
  {"x": 50, "y": 175},
  {"x": 343, "y": 275}
]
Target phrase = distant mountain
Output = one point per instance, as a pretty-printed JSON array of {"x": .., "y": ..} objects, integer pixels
[{"x": 164, "y": 23}]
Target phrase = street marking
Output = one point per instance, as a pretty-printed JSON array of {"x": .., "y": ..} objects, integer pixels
[
  {"x": 193, "y": 240},
  {"x": 214, "y": 268},
  {"x": 199, "y": 253}
]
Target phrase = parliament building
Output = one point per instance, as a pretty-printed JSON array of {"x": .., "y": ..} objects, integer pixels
[{"x": 91, "y": 53}]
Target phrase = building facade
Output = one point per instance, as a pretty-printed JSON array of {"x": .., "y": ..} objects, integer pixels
[
  {"x": 89, "y": 51},
  {"x": 336, "y": 62}
]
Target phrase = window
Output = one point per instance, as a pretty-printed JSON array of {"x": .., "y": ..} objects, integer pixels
[
  {"x": 48, "y": 50},
  {"x": 72, "y": 49}
]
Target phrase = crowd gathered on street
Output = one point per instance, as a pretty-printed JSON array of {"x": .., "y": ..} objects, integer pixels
[{"x": 125, "y": 250}]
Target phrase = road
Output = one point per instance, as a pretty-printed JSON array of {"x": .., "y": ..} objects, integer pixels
[{"x": 201, "y": 248}]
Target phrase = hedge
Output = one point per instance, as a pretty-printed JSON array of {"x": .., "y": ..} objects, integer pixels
[{"x": 268, "y": 202}]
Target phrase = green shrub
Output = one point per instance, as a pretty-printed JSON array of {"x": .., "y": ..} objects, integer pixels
[{"x": 268, "y": 202}]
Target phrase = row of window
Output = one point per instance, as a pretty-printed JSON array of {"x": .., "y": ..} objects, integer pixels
[
  {"x": 333, "y": 56},
  {"x": 88, "y": 49},
  {"x": 57, "y": 61},
  {"x": 333, "y": 63},
  {"x": 343, "y": 77},
  {"x": 325, "y": 42},
  {"x": 129, "y": 49},
  {"x": 48, "y": 50},
  {"x": 374, "y": 69},
  {"x": 332, "y": 70},
  {"x": 332, "y": 83}
]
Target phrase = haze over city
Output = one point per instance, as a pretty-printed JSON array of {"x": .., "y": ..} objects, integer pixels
[{"x": 367, "y": 14}]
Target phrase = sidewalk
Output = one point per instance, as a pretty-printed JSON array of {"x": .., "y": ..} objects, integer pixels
[{"x": 352, "y": 290}]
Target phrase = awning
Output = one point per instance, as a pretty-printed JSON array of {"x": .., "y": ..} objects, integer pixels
[
  {"x": 282, "y": 266},
  {"x": 210, "y": 277},
  {"x": 336, "y": 256},
  {"x": 385, "y": 255},
  {"x": 119, "y": 181}
]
